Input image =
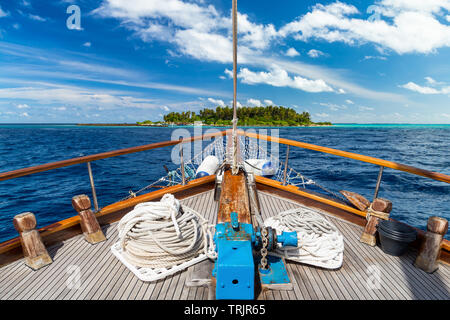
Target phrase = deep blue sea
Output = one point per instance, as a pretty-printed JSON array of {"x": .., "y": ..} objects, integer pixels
[{"x": 48, "y": 194}]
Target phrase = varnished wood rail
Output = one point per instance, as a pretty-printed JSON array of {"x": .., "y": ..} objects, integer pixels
[
  {"x": 70, "y": 162},
  {"x": 384, "y": 163},
  {"x": 65, "y": 229},
  {"x": 297, "y": 191}
]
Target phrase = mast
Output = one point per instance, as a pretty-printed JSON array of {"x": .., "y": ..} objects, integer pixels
[{"x": 234, "y": 168}]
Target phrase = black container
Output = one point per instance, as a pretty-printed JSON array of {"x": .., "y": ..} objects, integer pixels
[{"x": 395, "y": 237}]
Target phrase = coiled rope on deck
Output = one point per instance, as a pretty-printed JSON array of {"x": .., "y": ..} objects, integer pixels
[
  {"x": 164, "y": 234},
  {"x": 319, "y": 242}
]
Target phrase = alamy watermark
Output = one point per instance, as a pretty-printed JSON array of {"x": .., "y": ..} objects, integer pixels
[
  {"x": 376, "y": 13},
  {"x": 73, "y": 281},
  {"x": 374, "y": 280},
  {"x": 73, "y": 22}
]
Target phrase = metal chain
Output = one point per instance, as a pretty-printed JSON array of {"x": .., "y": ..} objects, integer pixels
[{"x": 265, "y": 242}]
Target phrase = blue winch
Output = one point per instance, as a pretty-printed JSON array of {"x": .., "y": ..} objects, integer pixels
[{"x": 235, "y": 266}]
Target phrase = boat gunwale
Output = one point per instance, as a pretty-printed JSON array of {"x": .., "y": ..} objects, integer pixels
[
  {"x": 355, "y": 156},
  {"x": 109, "y": 154},
  {"x": 67, "y": 228},
  {"x": 104, "y": 155},
  {"x": 50, "y": 230},
  {"x": 62, "y": 230}
]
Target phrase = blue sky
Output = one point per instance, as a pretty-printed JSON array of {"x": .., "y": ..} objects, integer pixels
[{"x": 384, "y": 61}]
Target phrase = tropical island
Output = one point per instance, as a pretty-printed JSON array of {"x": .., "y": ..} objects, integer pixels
[{"x": 247, "y": 116}]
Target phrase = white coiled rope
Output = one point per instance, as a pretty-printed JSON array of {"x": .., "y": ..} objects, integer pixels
[
  {"x": 164, "y": 234},
  {"x": 319, "y": 242}
]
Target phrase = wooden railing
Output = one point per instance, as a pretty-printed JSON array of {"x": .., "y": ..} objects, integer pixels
[
  {"x": 383, "y": 163},
  {"x": 70, "y": 162},
  {"x": 87, "y": 159}
]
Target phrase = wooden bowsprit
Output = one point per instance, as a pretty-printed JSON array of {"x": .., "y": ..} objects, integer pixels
[{"x": 236, "y": 239}]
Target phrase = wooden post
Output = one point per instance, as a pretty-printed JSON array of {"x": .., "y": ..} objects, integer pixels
[
  {"x": 89, "y": 224},
  {"x": 379, "y": 209},
  {"x": 428, "y": 256},
  {"x": 34, "y": 251}
]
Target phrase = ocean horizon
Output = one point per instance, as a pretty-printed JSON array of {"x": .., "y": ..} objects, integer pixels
[{"x": 347, "y": 125}]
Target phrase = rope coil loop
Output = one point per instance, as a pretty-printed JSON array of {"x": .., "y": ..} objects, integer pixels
[
  {"x": 164, "y": 234},
  {"x": 319, "y": 242}
]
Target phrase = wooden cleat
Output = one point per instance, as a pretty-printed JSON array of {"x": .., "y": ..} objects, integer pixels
[
  {"x": 378, "y": 210},
  {"x": 88, "y": 222},
  {"x": 34, "y": 251},
  {"x": 356, "y": 199},
  {"x": 429, "y": 251}
]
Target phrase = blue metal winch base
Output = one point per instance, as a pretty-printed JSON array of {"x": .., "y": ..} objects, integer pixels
[
  {"x": 276, "y": 273},
  {"x": 235, "y": 266}
]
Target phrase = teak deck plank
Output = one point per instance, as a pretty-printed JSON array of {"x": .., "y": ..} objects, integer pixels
[{"x": 104, "y": 277}]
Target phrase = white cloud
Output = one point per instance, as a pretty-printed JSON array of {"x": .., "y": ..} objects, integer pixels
[
  {"x": 238, "y": 104},
  {"x": 322, "y": 115},
  {"x": 415, "y": 87},
  {"x": 331, "y": 77},
  {"x": 363, "y": 108},
  {"x": 313, "y": 53},
  {"x": 278, "y": 77},
  {"x": 256, "y": 36},
  {"x": 291, "y": 52},
  {"x": 427, "y": 90},
  {"x": 73, "y": 68},
  {"x": 433, "y": 82},
  {"x": 22, "y": 106},
  {"x": 229, "y": 73},
  {"x": 24, "y": 114},
  {"x": 36, "y": 18},
  {"x": 204, "y": 46},
  {"x": 166, "y": 108},
  {"x": 3, "y": 13},
  {"x": 349, "y": 101},
  {"x": 45, "y": 95},
  {"x": 341, "y": 91},
  {"x": 197, "y": 30},
  {"x": 333, "y": 106},
  {"x": 254, "y": 102},
  {"x": 87, "y": 44},
  {"x": 374, "y": 58},
  {"x": 430, "y": 80},
  {"x": 408, "y": 26},
  {"x": 217, "y": 102},
  {"x": 269, "y": 102}
]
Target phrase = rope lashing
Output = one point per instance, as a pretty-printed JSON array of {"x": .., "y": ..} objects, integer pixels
[
  {"x": 164, "y": 234},
  {"x": 378, "y": 214},
  {"x": 319, "y": 242}
]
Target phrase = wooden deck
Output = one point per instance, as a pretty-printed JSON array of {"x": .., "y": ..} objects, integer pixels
[{"x": 102, "y": 276}]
